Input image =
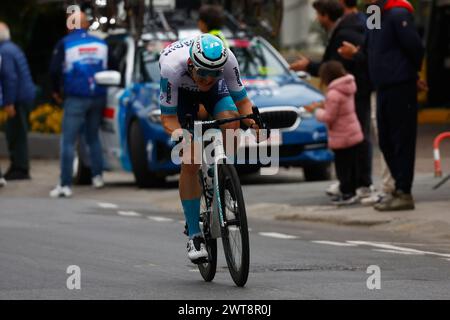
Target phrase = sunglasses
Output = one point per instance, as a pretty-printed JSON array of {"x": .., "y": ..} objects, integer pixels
[{"x": 203, "y": 73}]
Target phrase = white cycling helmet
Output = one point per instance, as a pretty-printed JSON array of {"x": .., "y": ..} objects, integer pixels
[{"x": 208, "y": 52}]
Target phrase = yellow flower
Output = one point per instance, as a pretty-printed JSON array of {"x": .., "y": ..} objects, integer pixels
[{"x": 46, "y": 118}]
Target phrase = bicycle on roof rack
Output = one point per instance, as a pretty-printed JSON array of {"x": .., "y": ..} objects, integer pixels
[{"x": 263, "y": 17}]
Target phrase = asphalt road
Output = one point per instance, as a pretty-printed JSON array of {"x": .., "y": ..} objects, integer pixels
[{"x": 131, "y": 250}]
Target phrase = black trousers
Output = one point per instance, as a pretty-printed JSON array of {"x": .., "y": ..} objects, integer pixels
[
  {"x": 397, "y": 131},
  {"x": 346, "y": 163},
  {"x": 16, "y": 132},
  {"x": 362, "y": 104}
]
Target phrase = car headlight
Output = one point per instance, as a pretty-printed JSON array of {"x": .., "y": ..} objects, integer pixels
[
  {"x": 155, "y": 115},
  {"x": 304, "y": 114}
]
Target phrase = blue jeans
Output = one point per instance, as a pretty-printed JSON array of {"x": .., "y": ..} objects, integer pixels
[{"x": 81, "y": 113}]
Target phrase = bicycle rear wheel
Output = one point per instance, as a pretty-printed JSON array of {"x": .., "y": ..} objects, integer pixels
[
  {"x": 235, "y": 232},
  {"x": 207, "y": 269}
]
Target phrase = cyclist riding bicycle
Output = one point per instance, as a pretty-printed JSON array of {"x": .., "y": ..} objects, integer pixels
[{"x": 200, "y": 70}]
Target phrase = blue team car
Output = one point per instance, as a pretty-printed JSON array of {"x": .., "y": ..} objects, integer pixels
[{"x": 134, "y": 140}]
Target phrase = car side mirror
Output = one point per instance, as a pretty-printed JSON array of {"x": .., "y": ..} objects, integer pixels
[{"x": 110, "y": 78}]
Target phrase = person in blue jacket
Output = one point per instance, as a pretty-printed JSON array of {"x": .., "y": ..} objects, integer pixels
[
  {"x": 76, "y": 59},
  {"x": 18, "y": 93},
  {"x": 394, "y": 54}
]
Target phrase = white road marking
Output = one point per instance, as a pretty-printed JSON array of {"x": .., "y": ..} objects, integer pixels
[
  {"x": 105, "y": 205},
  {"x": 277, "y": 235},
  {"x": 397, "y": 248},
  {"x": 334, "y": 243},
  {"x": 129, "y": 214},
  {"x": 396, "y": 251},
  {"x": 194, "y": 270},
  {"x": 160, "y": 219}
]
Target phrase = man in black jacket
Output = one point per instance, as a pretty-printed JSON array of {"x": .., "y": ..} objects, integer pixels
[
  {"x": 344, "y": 23},
  {"x": 394, "y": 53}
]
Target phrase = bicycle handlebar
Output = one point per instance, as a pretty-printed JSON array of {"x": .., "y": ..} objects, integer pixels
[{"x": 209, "y": 124}]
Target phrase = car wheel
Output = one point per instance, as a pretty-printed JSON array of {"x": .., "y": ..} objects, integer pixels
[
  {"x": 81, "y": 171},
  {"x": 138, "y": 154},
  {"x": 317, "y": 172}
]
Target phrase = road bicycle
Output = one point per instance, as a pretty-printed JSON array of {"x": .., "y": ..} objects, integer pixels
[{"x": 222, "y": 213}]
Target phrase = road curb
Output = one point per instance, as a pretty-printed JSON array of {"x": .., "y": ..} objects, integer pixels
[{"x": 350, "y": 216}]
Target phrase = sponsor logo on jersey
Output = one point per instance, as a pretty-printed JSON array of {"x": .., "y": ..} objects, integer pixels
[
  {"x": 87, "y": 50},
  {"x": 177, "y": 45}
]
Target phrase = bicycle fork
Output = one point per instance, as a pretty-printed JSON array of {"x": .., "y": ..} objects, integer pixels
[{"x": 216, "y": 216}]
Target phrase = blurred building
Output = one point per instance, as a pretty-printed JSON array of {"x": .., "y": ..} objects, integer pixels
[{"x": 298, "y": 16}]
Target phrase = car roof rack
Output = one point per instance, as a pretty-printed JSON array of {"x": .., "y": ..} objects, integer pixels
[{"x": 171, "y": 25}]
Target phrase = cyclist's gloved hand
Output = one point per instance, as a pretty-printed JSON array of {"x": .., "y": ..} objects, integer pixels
[{"x": 261, "y": 135}]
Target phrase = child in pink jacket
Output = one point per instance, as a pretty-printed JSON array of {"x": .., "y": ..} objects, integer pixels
[{"x": 344, "y": 131}]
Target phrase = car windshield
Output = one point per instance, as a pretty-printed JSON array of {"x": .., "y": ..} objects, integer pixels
[
  {"x": 151, "y": 70},
  {"x": 256, "y": 59}
]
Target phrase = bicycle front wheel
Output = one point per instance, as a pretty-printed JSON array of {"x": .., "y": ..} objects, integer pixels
[
  {"x": 235, "y": 232},
  {"x": 208, "y": 268}
]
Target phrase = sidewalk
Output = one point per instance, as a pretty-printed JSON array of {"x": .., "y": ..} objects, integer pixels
[{"x": 430, "y": 219}]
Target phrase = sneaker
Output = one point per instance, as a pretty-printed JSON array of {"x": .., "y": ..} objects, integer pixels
[
  {"x": 365, "y": 192},
  {"x": 375, "y": 198},
  {"x": 196, "y": 249},
  {"x": 61, "y": 192},
  {"x": 97, "y": 182},
  {"x": 333, "y": 190},
  {"x": 2, "y": 182},
  {"x": 343, "y": 200},
  {"x": 398, "y": 202}
]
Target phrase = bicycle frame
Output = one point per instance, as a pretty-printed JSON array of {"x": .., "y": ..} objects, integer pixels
[
  {"x": 216, "y": 215},
  {"x": 220, "y": 157}
]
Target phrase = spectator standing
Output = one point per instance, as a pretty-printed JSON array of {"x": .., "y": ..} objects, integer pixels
[
  {"x": 18, "y": 96},
  {"x": 344, "y": 130},
  {"x": 394, "y": 53},
  {"x": 355, "y": 22},
  {"x": 76, "y": 59},
  {"x": 351, "y": 7},
  {"x": 387, "y": 184},
  {"x": 346, "y": 23}
]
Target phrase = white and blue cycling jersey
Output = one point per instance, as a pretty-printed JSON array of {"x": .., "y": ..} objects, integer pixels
[
  {"x": 175, "y": 78},
  {"x": 76, "y": 59}
]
